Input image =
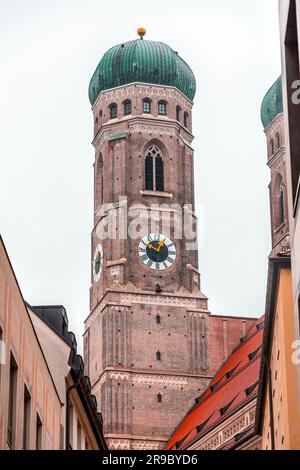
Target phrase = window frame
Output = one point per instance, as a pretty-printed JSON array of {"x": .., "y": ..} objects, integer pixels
[
  {"x": 126, "y": 103},
  {"x": 161, "y": 104},
  {"x": 113, "y": 111},
  {"x": 148, "y": 102}
]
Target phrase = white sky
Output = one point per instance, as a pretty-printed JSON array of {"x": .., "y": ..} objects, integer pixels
[{"x": 49, "y": 50}]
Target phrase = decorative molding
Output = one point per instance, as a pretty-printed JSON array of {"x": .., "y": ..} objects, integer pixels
[
  {"x": 160, "y": 380},
  {"x": 145, "y": 445},
  {"x": 118, "y": 444},
  {"x": 158, "y": 300}
]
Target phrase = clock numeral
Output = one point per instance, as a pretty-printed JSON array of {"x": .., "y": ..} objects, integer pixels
[
  {"x": 165, "y": 265},
  {"x": 144, "y": 258},
  {"x": 142, "y": 250},
  {"x": 157, "y": 266},
  {"x": 150, "y": 263},
  {"x": 171, "y": 260}
]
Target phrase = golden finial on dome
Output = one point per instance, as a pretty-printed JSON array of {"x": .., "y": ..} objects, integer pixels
[{"x": 141, "y": 32}]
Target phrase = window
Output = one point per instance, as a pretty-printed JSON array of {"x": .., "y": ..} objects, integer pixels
[
  {"x": 281, "y": 207},
  {"x": 127, "y": 107},
  {"x": 277, "y": 141},
  {"x": 99, "y": 183},
  {"x": 186, "y": 119},
  {"x": 78, "y": 436},
  {"x": 159, "y": 398},
  {"x": 38, "y": 435},
  {"x": 12, "y": 400},
  {"x": 154, "y": 170},
  {"x": 162, "y": 108},
  {"x": 158, "y": 318},
  {"x": 272, "y": 147},
  {"x": 146, "y": 106},
  {"x": 113, "y": 109},
  {"x": 26, "y": 419},
  {"x": 178, "y": 113},
  {"x": 158, "y": 355}
]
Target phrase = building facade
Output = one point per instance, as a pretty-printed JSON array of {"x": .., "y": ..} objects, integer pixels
[
  {"x": 223, "y": 417},
  {"x": 150, "y": 343},
  {"x": 289, "y": 12},
  {"x": 278, "y": 417},
  {"x": 45, "y": 399}
]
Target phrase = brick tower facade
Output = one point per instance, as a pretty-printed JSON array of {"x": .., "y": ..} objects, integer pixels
[
  {"x": 150, "y": 343},
  {"x": 273, "y": 122}
]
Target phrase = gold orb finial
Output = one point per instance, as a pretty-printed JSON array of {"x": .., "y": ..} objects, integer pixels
[{"x": 141, "y": 32}]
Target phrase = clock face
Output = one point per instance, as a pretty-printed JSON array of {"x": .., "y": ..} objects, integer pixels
[
  {"x": 157, "y": 251},
  {"x": 97, "y": 263}
]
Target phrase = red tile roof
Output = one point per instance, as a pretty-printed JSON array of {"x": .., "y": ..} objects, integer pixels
[{"x": 233, "y": 385}]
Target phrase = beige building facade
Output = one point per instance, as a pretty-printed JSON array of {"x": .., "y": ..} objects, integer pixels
[{"x": 45, "y": 398}]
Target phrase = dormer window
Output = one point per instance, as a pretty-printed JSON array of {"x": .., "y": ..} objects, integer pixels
[{"x": 162, "y": 108}]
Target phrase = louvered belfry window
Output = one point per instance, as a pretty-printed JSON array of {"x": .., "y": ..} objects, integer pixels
[{"x": 154, "y": 169}]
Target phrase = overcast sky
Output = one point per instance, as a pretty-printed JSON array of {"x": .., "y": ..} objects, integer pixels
[{"x": 49, "y": 50}]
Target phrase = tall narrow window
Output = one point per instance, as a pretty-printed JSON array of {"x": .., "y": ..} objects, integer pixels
[
  {"x": 38, "y": 433},
  {"x": 281, "y": 207},
  {"x": 26, "y": 419},
  {"x": 12, "y": 401},
  {"x": 159, "y": 398},
  {"x": 154, "y": 170},
  {"x": 127, "y": 107},
  {"x": 178, "y": 113},
  {"x": 159, "y": 173},
  {"x": 186, "y": 119},
  {"x": 272, "y": 146},
  {"x": 158, "y": 319},
  {"x": 113, "y": 110},
  {"x": 277, "y": 141},
  {"x": 158, "y": 355},
  {"x": 146, "y": 106},
  {"x": 99, "y": 183},
  {"x": 149, "y": 173},
  {"x": 162, "y": 108}
]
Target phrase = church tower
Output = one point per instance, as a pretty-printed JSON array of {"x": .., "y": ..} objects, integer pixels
[
  {"x": 150, "y": 344},
  {"x": 273, "y": 122}
]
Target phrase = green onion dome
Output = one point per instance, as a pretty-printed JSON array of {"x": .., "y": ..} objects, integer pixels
[
  {"x": 142, "y": 61},
  {"x": 272, "y": 104}
]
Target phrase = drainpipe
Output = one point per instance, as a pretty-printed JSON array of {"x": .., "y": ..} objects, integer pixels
[
  {"x": 270, "y": 391},
  {"x": 69, "y": 389}
]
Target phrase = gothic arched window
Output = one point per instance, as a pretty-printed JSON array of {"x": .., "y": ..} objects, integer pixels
[
  {"x": 146, "y": 106},
  {"x": 186, "y": 119},
  {"x": 154, "y": 169},
  {"x": 162, "y": 108},
  {"x": 127, "y": 107},
  {"x": 178, "y": 113},
  {"x": 113, "y": 111},
  {"x": 159, "y": 398},
  {"x": 158, "y": 356}
]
